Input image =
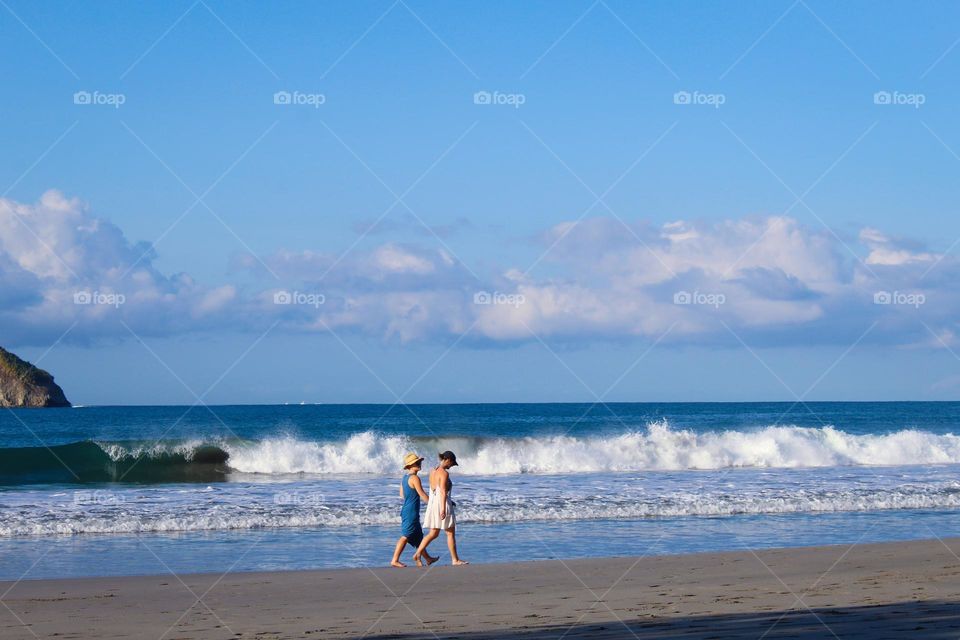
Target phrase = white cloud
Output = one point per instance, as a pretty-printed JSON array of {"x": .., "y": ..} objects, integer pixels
[
  {"x": 771, "y": 272},
  {"x": 770, "y": 279},
  {"x": 887, "y": 251},
  {"x": 58, "y": 249}
]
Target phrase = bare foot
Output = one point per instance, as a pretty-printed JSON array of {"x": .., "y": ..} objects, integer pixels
[
  {"x": 397, "y": 563},
  {"x": 419, "y": 563},
  {"x": 432, "y": 559},
  {"x": 459, "y": 562}
]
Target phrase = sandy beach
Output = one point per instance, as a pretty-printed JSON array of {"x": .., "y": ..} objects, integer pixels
[{"x": 891, "y": 590}]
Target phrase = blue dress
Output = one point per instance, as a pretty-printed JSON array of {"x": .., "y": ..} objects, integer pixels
[{"x": 410, "y": 514}]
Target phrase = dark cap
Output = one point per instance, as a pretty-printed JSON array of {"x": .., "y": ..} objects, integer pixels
[{"x": 448, "y": 455}]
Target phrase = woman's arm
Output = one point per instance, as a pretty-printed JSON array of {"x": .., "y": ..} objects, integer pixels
[
  {"x": 418, "y": 487},
  {"x": 442, "y": 476}
]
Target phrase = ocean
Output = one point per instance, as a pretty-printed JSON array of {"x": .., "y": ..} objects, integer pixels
[{"x": 94, "y": 491}]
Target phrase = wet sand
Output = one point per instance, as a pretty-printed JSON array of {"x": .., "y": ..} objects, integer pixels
[{"x": 894, "y": 590}]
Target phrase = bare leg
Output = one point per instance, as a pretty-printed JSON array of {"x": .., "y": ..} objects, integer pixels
[
  {"x": 401, "y": 543},
  {"x": 452, "y": 545},
  {"x": 422, "y": 549},
  {"x": 429, "y": 558},
  {"x": 425, "y": 556}
]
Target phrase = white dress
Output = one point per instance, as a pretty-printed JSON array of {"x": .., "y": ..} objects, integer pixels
[{"x": 432, "y": 519}]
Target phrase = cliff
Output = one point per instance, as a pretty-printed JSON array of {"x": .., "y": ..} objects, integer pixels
[{"x": 24, "y": 385}]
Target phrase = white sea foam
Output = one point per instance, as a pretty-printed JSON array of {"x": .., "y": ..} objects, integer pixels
[
  {"x": 121, "y": 451},
  {"x": 771, "y": 470},
  {"x": 245, "y": 511},
  {"x": 657, "y": 447},
  {"x": 366, "y": 452}
]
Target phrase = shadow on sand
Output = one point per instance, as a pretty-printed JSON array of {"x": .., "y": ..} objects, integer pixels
[{"x": 922, "y": 619}]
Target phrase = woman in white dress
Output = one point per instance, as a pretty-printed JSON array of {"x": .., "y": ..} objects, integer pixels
[{"x": 441, "y": 514}]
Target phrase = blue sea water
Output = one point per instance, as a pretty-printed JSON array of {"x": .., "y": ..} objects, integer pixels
[{"x": 136, "y": 490}]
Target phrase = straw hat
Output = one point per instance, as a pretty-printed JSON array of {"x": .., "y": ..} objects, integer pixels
[{"x": 411, "y": 459}]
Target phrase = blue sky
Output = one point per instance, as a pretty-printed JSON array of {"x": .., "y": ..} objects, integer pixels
[{"x": 588, "y": 206}]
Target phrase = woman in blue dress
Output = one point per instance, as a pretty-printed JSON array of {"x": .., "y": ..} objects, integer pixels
[{"x": 411, "y": 490}]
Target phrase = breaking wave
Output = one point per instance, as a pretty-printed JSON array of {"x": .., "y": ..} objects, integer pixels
[{"x": 657, "y": 447}]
